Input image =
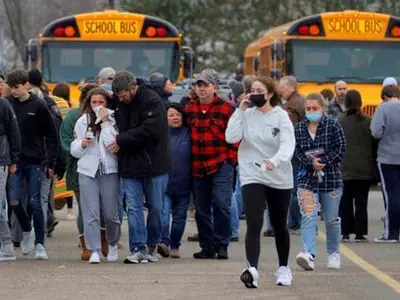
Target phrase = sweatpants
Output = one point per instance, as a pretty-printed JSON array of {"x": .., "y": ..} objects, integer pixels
[
  {"x": 100, "y": 194},
  {"x": 5, "y": 236},
  {"x": 355, "y": 197},
  {"x": 254, "y": 201},
  {"x": 390, "y": 179}
]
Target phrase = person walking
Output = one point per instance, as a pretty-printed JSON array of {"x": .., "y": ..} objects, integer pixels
[
  {"x": 98, "y": 174},
  {"x": 267, "y": 143}
]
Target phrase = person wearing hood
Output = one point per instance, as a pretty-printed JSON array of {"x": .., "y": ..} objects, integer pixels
[
  {"x": 105, "y": 78},
  {"x": 161, "y": 85}
]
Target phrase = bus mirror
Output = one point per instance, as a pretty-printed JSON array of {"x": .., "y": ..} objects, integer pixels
[
  {"x": 276, "y": 73},
  {"x": 31, "y": 51},
  {"x": 278, "y": 51},
  {"x": 188, "y": 62}
]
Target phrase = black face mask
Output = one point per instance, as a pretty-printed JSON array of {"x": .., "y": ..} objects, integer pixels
[{"x": 258, "y": 100}]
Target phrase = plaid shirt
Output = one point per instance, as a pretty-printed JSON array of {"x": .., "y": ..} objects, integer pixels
[
  {"x": 334, "y": 109},
  {"x": 329, "y": 137},
  {"x": 209, "y": 148}
]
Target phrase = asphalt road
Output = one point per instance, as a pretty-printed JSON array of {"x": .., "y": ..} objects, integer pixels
[{"x": 369, "y": 271}]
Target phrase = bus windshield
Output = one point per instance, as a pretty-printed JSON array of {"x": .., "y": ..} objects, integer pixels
[
  {"x": 73, "y": 61},
  {"x": 352, "y": 61}
]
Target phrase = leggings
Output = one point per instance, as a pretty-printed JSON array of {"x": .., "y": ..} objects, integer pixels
[{"x": 254, "y": 196}]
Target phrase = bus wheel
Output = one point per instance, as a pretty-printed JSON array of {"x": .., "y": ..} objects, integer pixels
[{"x": 60, "y": 203}]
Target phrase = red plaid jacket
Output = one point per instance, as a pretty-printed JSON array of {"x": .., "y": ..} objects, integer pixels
[{"x": 209, "y": 148}]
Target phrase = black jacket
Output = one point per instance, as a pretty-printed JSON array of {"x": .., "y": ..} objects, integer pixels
[
  {"x": 158, "y": 86},
  {"x": 38, "y": 132},
  {"x": 10, "y": 139},
  {"x": 143, "y": 135},
  {"x": 55, "y": 113}
]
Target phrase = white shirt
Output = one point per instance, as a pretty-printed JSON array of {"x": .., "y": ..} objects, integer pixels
[
  {"x": 263, "y": 136},
  {"x": 95, "y": 154}
]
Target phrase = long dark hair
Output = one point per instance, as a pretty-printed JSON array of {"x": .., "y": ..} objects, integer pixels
[
  {"x": 270, "y": 85},
  {"x": 353, "y": 103},
  {"x": 87, "y": 108}
]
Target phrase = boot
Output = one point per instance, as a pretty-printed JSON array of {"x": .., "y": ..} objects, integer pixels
[
  {"x": 104, "y": 243},
  {"x": 85, "y": 254}
]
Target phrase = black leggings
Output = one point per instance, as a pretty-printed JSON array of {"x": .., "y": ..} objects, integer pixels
[{"x": 254, "y": 196}]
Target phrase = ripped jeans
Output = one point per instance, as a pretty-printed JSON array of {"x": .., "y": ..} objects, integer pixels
[{"x": 310, "y": 203}]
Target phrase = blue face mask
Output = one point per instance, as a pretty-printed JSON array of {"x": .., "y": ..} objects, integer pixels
[{"x": 314, "y": 116}]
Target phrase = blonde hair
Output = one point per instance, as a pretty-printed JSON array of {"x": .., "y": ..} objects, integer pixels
[{"x": 319, "y": 98}]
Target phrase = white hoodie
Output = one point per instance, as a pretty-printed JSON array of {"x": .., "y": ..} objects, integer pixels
[
  {"x": 96, "y": 153},
  {"x": 263, "y": 136}
]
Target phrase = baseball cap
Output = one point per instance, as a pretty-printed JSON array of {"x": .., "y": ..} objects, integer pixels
[
  {"x": 107, "y": 73},
  {"x": 206, "y": 78},
  {"x": 389, "y": 81}
]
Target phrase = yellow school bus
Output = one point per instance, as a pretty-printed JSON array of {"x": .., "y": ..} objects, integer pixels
[
  {"x": 361, "y": 48},
  {"x": 79, "y": 46}
]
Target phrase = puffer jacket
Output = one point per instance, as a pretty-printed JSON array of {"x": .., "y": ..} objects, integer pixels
[{"x": 95, "y": 156}]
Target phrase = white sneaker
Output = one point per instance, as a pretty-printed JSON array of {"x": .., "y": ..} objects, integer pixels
[
  {"x": 249, "y": 277},
  {"x": 305, "y": 260},
  {"x": 71, "y": 217},
  {"x": 112, "y": 253},
  {"x": 41, "y": 252},
  {"x": 28, "y": 242},
  {"x": 152, "y": 255},
  {"x": 283, "y": 276},
  {"x": 94, "y": 258},
  {"x": 7, "y": 253},
  {"x": 334, "y": 261}
]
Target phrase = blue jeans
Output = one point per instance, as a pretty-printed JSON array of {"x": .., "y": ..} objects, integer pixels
[
  {"x": 153, "y": 188},
  {"x": 294, "y": 218},
  {"x": 177, "y": 205},
  {"x": 268, "y": 219},
  {"x": 214, "y": 191},
  {"x": 32, "y": 174},
  {"x": 236, "y": 206},
  {"x": 309, "y": 205},
  {"x": 44, "y": 197},
  {"x": 3, "y": 201}
]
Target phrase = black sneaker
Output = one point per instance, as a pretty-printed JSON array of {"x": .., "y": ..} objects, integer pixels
[
  {"x": 193, "y": 238},
  {"x": 361, "y": 239},
  {"x": 242, "y": 217},
  {"x": 52, "y": 225},
  {"x": 204, "y": 254},
  {"x": 268, "y": 233},
  {"x": 345, "y": 238},
  {"x": 222, "y": 252}
]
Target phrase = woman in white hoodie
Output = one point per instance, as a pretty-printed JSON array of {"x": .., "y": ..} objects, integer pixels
[
  {"x": 98, "y": 173},
  {"x": 267, "y": 143}
]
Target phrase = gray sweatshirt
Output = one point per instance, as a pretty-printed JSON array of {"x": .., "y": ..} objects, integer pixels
[
  {"x": 263, "y": 136},
  {"x": 385, "y": 126}
]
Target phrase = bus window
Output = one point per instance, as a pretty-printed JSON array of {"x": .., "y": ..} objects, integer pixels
[
  {"x": 88, "y": 58},
  {"x": 356, "y": 60}
]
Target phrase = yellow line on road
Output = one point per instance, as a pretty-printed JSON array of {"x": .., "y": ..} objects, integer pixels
[{"x": 366, "y": 266}]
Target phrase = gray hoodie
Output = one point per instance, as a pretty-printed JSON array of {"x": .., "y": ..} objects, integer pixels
[{"x": 385, "y": 126}]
